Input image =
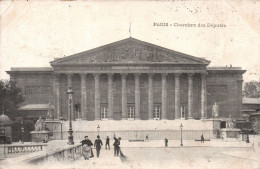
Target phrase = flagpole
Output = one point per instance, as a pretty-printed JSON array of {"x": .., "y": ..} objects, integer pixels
[{"x": 130, "y": 30}]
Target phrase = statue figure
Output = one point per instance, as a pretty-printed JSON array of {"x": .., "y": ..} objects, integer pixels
[
  {"x": 215, "y": 110},
  {"x": 39, "y": 125},
  {"x": 49, "y": 111},
  {"x": 229, "y": 122}
]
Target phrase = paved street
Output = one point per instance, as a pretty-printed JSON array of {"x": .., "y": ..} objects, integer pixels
[{"x": 153, "y": 154}]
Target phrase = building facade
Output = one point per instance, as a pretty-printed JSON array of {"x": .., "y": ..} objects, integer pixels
[{"x": 133, "y": 80}]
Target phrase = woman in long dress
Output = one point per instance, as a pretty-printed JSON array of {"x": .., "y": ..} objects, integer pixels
[{"x": 86, "y": 148}]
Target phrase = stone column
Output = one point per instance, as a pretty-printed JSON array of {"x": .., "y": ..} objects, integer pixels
[
  {"x": 57, "y": 96},
  {"x": 239, "y": 102},
  {"x": 110, "y": 96},
  {"x": 70, "y": 75},
  {"x": 137, "y": 96},
  {"x": 83, "y": 96},
  {"x": 97, "y": 97},
  {"x": 190, "y": 95},
  {"x": 164, "y": 96},
  {"x": 124, "y": 96},
  {"x": 203, "y": 96},
  {"x": 177, "y": 96},
  {"x": 150, "y": 96}
]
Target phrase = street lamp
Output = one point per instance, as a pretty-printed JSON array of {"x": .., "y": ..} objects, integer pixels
[
  {"x": 22, "y": 129},
  {"x": 70, "y": 138},
  {"x": 98, "y": 128},
  {"x": 181, "y": 126}
]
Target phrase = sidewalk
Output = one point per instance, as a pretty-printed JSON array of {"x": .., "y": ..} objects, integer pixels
[
  {"x": 186, "y": 143},
  {"x": 244, "y": 154}
]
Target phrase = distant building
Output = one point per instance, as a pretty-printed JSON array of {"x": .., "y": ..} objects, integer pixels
[{"x": 132, "y": 79}]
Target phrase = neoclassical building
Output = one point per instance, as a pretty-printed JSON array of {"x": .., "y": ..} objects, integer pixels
[{"x": 133, "y": 80}]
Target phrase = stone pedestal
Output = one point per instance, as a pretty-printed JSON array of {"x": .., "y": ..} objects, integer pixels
[
  {"x": 230, "y": 134},
  {"x": 40, "y": 136}
]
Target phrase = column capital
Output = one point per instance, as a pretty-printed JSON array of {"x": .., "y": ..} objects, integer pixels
[
  {"x": 110, "y": 75},
  {"x": 150, "y": 75},
  {"x": 124, "y": 75},
  {"x": 190, "y": 74},
  {"x": 203, "y": 75},
  {"x": 137, "y": 75},
  {"x": 177, "y": 74},
  {"x": 96, "y": 75},
  {"x": 164, "y": 75},
  {"x": 56, "y": 75},
  {"x": 69, "y": 74},
  {"x": 83, "y": 75}
]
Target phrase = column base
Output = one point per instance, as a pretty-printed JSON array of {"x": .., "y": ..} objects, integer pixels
[
  {"x": 124, "y": 118},
  {"x": 203, "y": 118},
  {"x": 190, "y": 118},
  {"x": 150, "y": 119},
  {"x": 98, "y": 119}
]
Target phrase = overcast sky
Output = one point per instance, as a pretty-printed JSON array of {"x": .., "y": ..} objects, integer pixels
[{"x": 33, "y": 33}]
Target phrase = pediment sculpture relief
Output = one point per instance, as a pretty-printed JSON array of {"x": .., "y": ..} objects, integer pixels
[{"x": 126, "y": 54}]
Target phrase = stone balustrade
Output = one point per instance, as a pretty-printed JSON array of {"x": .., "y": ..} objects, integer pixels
[
  {"x": 70, "y": 153},
  {"x": 13, "y": 150}
]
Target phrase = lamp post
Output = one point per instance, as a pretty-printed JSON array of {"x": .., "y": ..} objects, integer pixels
[
  {"x": 70, "y": 138},
  {"x": 181, "y": 126},
  {"x": 98, "y": 128},
  {"x": 22, "y": 129}
]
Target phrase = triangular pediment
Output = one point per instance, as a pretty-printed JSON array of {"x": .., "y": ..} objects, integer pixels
[{"x": 130, "y": 51}]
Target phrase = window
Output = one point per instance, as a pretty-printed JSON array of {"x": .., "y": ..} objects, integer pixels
[
  {"x": 182, "y": 112},
  {"x": 131, "y": 112},
  {"x": 157, "y": 112},
  {"x": 104, "y": 113}
]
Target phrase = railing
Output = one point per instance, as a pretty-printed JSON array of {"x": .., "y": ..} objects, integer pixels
[
  {"x": 14, "y": 150},
  {"x": 70, "y": 153},
  {"x": 24, "y": 149}
]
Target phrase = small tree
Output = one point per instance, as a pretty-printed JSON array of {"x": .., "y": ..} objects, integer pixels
[
  {"x": 10, "y": 97},
  {"x": 252, "y": 89}
]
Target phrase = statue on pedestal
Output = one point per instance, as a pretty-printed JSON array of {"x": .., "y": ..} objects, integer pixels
[
  {"x": 39, "y": 125},
  {"x": 50, "y": 112},
  {"x": 229, "y": 122},
  {"x": 215, "y": 110}
]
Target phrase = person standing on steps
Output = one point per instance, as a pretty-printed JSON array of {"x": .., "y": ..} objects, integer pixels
[
  {"x": 98, "y": 144},
  {"x": 108, "y": 143}
]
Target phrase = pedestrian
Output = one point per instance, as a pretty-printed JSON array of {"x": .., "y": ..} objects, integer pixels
[
  {"x": 86, "y": 148},
  {"x": 116, "y": 146},
  {"x": 108, "y": 143},
  {"x": 98, "y": 144},
  {"x": 147, "y": 138},
  {"x": 166, "y": 142},
  {"x": 202, "y": 138}
]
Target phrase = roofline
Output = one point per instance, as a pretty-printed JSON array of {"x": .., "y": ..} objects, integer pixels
[
  {"x": 207, "y": 62},
  {"x": 30, "y": 70}
]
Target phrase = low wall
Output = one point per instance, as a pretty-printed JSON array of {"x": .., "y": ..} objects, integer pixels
[
  {"x": 14, "y": 150},
  {"x": 70, "y": 153},
  {"x": 140, "y": 135}
]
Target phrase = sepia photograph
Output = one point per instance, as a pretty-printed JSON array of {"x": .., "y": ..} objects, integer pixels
[{"x": 116, "y": 84}]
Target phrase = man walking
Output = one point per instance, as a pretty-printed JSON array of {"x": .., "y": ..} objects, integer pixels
[
  {"x": 202, "y": 138},
  {"x": 107, "y": 143},
  {"x": 98, "y": 144},
  {"x": 166, "y": 142}
]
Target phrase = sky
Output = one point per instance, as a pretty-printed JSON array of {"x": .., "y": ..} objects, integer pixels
[{"x": 33, "y": 33}]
